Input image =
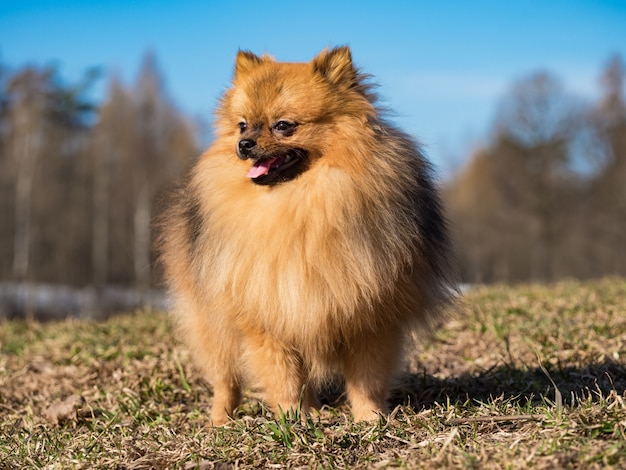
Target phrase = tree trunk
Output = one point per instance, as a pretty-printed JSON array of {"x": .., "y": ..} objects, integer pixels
[
  {"x": 26, "y": 155},
  {"x": 100, "y": 237},
  {"x": 27, "y": 144},
  {"x": 142, "y": 237}
]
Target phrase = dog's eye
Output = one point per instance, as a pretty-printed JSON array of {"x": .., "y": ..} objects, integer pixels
[
  {"x": 242, "y": 126},
  {"x": 284, "y": 127}
]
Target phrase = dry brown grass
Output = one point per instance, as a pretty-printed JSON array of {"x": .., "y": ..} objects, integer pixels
[{"x": 525, "y": 377}]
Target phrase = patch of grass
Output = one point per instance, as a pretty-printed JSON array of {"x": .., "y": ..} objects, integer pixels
[{"x": 523, "y": 377}]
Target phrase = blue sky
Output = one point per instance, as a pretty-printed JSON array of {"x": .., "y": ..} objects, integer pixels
[{"x": 442, "y": 66}]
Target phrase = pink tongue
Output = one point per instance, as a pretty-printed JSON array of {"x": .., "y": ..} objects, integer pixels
[{"x": 260, "y": 168}]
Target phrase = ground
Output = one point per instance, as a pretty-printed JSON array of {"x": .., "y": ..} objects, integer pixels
[{"x": 522, "y": 377}]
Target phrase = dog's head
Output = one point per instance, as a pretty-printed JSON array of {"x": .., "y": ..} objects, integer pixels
[{"x": 282, "y": 117}]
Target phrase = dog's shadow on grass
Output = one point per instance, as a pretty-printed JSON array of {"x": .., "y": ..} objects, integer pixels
[{"x": 519, "y": 386}]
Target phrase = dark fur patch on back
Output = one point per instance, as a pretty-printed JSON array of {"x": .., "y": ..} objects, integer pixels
[{"x": 193, "y": 219}]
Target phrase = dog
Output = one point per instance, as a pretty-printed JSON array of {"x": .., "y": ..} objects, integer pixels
[{"x": 308, "y": 240}]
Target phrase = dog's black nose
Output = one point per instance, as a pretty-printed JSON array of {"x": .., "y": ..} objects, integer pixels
[{"x": 245, "y": 146}]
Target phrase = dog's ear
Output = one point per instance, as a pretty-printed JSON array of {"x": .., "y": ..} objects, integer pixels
[
  {"x": 246, "y": 62},
  {"x": 335, "y": 65}
]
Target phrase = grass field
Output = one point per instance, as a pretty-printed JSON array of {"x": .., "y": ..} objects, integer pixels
[{"x": 523, "y": 377}]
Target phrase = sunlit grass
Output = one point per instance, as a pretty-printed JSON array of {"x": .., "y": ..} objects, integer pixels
[{"x": 524, "y": 377}]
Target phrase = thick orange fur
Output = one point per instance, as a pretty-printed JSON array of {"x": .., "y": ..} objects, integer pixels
[{"x": 281, "y": 285}]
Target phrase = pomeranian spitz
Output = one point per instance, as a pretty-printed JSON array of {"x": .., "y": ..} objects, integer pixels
[{"x": 308, "y": 240}]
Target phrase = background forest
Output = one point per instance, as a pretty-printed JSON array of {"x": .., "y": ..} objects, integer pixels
[{"x": 80, "y": 181}]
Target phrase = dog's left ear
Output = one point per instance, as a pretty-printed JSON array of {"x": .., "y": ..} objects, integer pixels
[{"x": 335, "y": 65}]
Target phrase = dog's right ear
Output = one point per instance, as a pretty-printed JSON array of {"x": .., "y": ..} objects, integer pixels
[
  {"x": 335, "y": 65},
  {"x": 246, "y": 62}
]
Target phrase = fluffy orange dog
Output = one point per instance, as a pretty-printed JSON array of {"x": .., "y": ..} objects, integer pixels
[{"x": 309, "y": 239}]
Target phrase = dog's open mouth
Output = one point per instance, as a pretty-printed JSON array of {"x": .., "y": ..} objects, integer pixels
[{"x": 279, "y": 168}]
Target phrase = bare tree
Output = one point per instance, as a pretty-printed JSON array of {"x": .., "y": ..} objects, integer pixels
[
  {"x": 27, "y": 115},
  {"x": 607, "y": 206},
  {"x": 535, "y": 126},
  {"x": 110, "y": 139},
  {"x": 139, "y": 145},
  {"x": 514, "y": 204},
  {"x": 165, "y": 139}
]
